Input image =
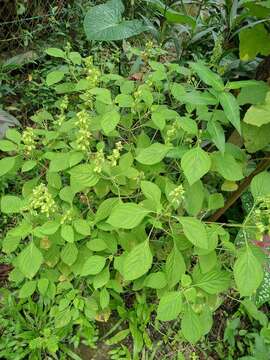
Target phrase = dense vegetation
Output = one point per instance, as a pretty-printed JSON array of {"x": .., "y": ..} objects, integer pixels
[{"x": 135, "y": 191}]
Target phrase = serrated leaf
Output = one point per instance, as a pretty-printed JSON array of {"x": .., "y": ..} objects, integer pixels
[
  {"x": 69, "y": 254},
  {"x": 30, "y": 260},
  {"x": 93, "y": 265},
  {"x": 11, "y": 204},
  {"x": 175, "y": 267},
  {"x": 152, "y": 154},
  {"x": 195, "y": 231},
  {"x": 213, "y": 282},
  {"x": 195, "y": 163},
  {"x": 191, "y": 326},
  {"x": 207, "y": 76},
  {"x": 248, "y": 273},
  {"x": 231, "y": 109},
  {"x": 260, "y": 185},
  {"x": 137, "y": 262},
  {"x": 127, "y": 216},
  {"x": 82, "y": 176},
  {"x": 104, "y": 22},
  {"x": 109, "y": 121},
  {"x": 170, "y": 306}
]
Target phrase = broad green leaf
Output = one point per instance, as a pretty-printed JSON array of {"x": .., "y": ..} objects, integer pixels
[
  {"x": 138, "y": 261},
  {"x": 28, "y": 165},
  {"x": 82, "y": 227},
  {"x": 152, "y": 192},
  {"x": 6, "y": 146},
  {"x": 191, "y": 326},
  {"x": 27, "y": 289},
  {"x": 195, "y": 231},
  {"x": 215, "y": 201},
  {"x": 109, "y": 121},
  {"x": 231, "y": 109},
  {"x": 195, "y": 163},
  {"x": 49, "y": 227},
  {"x": 105, "y": 209},
  {"x": 104, "y": 22},
  {"x": 254, "y": 41},
  {"x": 207, "y": 76},
  {"x": 54, "y": 77},
  {"x": 55, "y": 52},
  {"x": 11, "y": 204},
  {"x": 102, "y": 278},
  {"x": 260, "y": 185},
  {"x": 226, "y": 165},
  {"x": 124, "y": 100},
  {"x": 127, "y": 216},
  {"x": 96, "y": 245},
  {"x": 152, "y": 154},
  {"x": 69, "y": 254},
  {"x": 93, "y": 265},
  {"x": 10, "y": 243},
  {"x": 67, "y": 233},
  {"x": 30, "y": 260},
  {"x": 256, "y": 138},
  {"x": 43, "y": 285},
  {"x": 242, "y": 84},
  {"x": 170, "y": 306},
  {"x": 217, "y": 135},
  {"x": 6, "y": 165},
  {"x": 193, "y": 198},
  {"x": 248, "y": 273},
  {"x": 258, "y": 115},
  {"x": 214, "y": 281},
  {"x": 199, "y": 98},
  {"x": 155, "y": 280},
  {"x": 75, "y": 57},
  {"x": 254, "y": 312},
  {"x": 82, "y": 176},
  {"x": 13, "y": 135},
  {"x": 175, "y": 267}
]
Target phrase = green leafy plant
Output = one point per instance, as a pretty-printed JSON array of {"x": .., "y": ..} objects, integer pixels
[
  {"x": 120, "y": 181},
  {"x": 104, "y": 23}
]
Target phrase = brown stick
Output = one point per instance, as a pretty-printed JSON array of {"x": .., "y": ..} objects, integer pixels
[{"x": 263, "y": 165}]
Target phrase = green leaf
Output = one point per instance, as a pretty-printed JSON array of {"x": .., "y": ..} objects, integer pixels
[
  {"x": 170, "y": 306},
  {"x": 191, "y": 326},
  {"x": 175, "y": 267},
  {"x": 93, "y": 265},
  {"x": 27, "y": 289},
  {"x": 11, "y": 204},
  {"x": 258, "y": 115},
  {"x": 124, "y": 100},
  {"x": 253, "y": 311},
  {"x": 10, "y": 243},
  {"x": 152, "y": 192},
  {"x": 54, "y": 77},
  {"x": 82, "y": 176},
  {"x": 43, "y": 285},
  {"x": 195, "y": 163},
  {"x": 231, "y": 109},
  {"x": 104, "y": 22},
  {"x": 6, "y": 145},
  {"x": 105, "y": 209},
  {"x": 256, "y": 138},
  {"x": 260, "y": 185},
  {"x": 254, "y": 41},
  {"x": 67, "y": 233},
  {"x": 30, "y": 260},
  {"x": 127, "y": 216},
  {"x": 14, "y": 136},
  {"x": 155, "y": 280},
  {"x": 138, "y": 261},
  {"x": 109, "y": 121},
  {"x": 152, "y": 154},
  {"x": 119, "y": 337},
  {"x": 102, "y": 278},
  {"x": 248, "y": 273},
  {"x": 208, "y": 76},
  {"x": 6, "y": 165},
  {"x": 217, "y": 135},
  {"x": 195, "y": 231},
  {"x": 213, "y": 282},
  {"x": 28, "y": 165},
  {"x": 69, "y": 254},
  {"x": 193, "y": 198},
  {"x": 104, "y": 298},
  {"x": 55, "y": 52},
  {"x": 82, "y": 227},
  {"x": 227, "y": 166},
  {"x": 75, "y": 57}
]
